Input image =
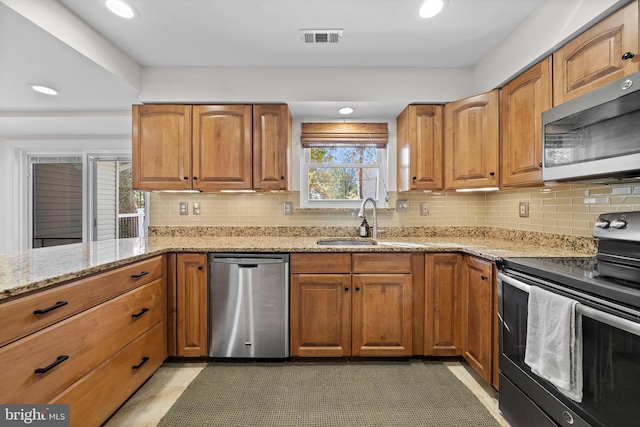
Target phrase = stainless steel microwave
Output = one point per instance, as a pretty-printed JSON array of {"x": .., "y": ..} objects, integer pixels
[{"x": 595, "y": 137}]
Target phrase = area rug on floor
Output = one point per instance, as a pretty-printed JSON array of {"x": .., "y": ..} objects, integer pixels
[{"x": 305, "y": 394}]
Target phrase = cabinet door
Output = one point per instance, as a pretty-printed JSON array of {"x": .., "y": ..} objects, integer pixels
[
  {"x": 471, "y": 142},
  {"x": 222, "y": 145},
  {"x": 271, "y": 147},
  {"x": 320, "y": 315},
  {"x": 443, "y": 305},
  {"x": 478, "y": 308},
  {"x": 522, "y": 102},
  {"x": 191, "y": 304},
  {"x": 596, "y": 57},
  {"x": 381, "y": 321},
  {"x": 420, "y": 145},
  {"x": 161, "y": 147}
]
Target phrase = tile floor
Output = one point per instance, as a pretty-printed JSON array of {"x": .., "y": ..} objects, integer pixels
[{"x": 149, "y": 404}]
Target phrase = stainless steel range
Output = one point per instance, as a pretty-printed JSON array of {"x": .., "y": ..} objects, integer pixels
[{"x": 604, "y": 293}]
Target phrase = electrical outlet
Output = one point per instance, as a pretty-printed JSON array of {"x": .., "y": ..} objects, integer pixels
[
  {"x": 424, "y": 208},
  {"x": 196, "y": 208},
  {"x": 524, "y": 209},
  {"x": 402, "y": 205},
  {"x": 184, "y": 208},
  {"x": 288, "y": 208}
]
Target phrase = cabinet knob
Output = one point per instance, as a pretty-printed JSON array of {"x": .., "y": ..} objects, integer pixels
[
  {"x": 540, "y": 164},
  {"x": 357, "y": 288},
  {"x": 627, "y": 55},
  {"x": 492, "y": 173},
  {"x": 346, "y": 289},
  {"x": 185, "y": 177},
  {"x": 195, "y": 177},
  {"x": 414, "y": 178},
  {"x": 282, "y": 177},
  {"x": 484, "y": 277},
  {"x": 199, "y": 267}
]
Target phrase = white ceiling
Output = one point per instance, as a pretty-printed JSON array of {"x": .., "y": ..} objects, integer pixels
[{"x": 243, "y": 33}]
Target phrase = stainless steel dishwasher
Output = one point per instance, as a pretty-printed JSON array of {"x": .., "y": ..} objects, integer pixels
[{"x": 249, "y": 305}]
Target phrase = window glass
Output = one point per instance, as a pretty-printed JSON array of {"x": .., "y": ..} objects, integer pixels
[{"x": 342, "y": 176}]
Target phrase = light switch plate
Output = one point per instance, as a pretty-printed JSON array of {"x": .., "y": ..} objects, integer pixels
[
  {"x": 184, "y": 208},
  {"x": 424, "y": 208},
  {"x": 288, "y": 208},
  {"x": 524, "y": 209},
  {"x": 196, "y": 208},
  {"x": 402, "y": 205}
]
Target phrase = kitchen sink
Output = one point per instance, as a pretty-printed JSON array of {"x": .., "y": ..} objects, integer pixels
[{"x": 346, "y": 242}]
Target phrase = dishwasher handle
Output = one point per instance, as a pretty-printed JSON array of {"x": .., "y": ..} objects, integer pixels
[{"x": 248, "y": 262}]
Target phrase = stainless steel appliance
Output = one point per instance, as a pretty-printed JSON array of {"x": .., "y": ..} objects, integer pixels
[
  {"x": 249, "y": 305},
  {"x": 607, "y": 289},
  {"x": 595, "y": 137}
]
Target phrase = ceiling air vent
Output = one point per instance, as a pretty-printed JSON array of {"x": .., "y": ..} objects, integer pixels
[{"x": 321, "y": 36}]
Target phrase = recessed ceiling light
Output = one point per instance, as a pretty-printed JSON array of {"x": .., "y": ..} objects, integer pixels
[
  {"x": 121, "y": 8},
  {"x": 431, "y": 8},
  {"x": 345, "y": 110},
  {"x": 44, "y": 89}
]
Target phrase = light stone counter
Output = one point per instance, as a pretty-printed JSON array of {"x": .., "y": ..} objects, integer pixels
[{"x": 23, "y": 272}]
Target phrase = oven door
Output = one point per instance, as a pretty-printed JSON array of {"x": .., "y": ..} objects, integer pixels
[{"x": 611, "y": 363}]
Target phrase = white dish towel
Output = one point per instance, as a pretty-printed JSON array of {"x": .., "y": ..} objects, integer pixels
[{"x": 554, "y": 341}]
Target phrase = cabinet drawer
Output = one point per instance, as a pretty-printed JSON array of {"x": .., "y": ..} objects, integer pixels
[
  {"x": 382, "y": 263},
  {"x": 320, "y": 263},
  {"x": 20, "y": 318},
  {"x": 87, "y": 339},
  {"x": 98, "y": 394}
]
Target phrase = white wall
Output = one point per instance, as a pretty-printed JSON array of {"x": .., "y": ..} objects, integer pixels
[
  {"x": 295, "y": 84},
  {"x": 547, "y": 28}
]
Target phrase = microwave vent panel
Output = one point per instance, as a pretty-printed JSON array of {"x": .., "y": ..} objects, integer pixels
[{"x": 321, "y": 36}]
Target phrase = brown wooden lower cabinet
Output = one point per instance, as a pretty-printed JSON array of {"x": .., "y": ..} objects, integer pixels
[
  {"x": 381, "y": 319},
  {"x": 335, "y": 313},
  {"x": 443, "y": 305},
  {"x": 320, "y": 315},
  {"x": 187, "y": 304},
  {"x": 477, "y": 297}
]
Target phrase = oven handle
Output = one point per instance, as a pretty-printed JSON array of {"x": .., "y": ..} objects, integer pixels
[{"x": 600, "y": 316}]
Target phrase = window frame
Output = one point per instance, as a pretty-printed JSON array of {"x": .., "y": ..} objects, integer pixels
[{"x": 381, "y": 191}]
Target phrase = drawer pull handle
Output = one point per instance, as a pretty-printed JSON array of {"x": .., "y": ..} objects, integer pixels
[
  {"x": 53, "y": 307},
  {"x": 58, "y": 361},
  {"x": 143, "y": 311},
  {"x": 145, "y": 359},
  {"x": 135, "y": 276}
]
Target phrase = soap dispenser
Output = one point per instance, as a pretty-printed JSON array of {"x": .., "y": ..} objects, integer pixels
[{"x": 364, "y": 228}]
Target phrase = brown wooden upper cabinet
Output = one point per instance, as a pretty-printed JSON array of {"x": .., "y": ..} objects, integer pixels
[
  {"x": 420, "y": 145},
  {"x": 211, "y": 147},
  {"x": 222, "y": 147},
  {"x": 522, "y": 102},
  {"x": 471, "y": 142},
  {"x": 606, "y": 52},
  {"x": 271, "y": 147},
  {"x": 161, "y": 151}
]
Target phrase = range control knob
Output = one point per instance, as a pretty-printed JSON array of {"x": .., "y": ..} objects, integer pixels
[
  {"x": 618, "y": 223},
  {"x": 602, "y": 223}
]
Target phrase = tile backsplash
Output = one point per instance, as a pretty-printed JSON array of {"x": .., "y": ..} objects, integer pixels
[{"x": 564, "y": 209}]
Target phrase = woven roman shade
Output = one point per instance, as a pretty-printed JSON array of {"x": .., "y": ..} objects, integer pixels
[{"x": 344, "y": 135}]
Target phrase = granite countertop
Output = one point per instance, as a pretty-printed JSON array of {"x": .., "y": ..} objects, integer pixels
[{"x": 23, "y": 272}]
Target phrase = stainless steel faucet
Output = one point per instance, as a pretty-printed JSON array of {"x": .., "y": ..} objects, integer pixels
[{"x": 374, "y": 228}]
